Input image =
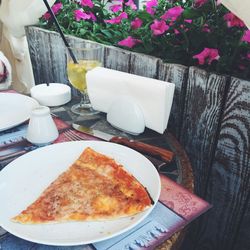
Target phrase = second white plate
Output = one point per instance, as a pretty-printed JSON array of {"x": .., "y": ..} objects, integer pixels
[
  {"x": 15, "y": 109},
  {"x": 23, "y": 180}
]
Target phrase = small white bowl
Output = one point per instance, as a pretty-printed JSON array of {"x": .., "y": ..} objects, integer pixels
[{"x": 52, "y": 94}]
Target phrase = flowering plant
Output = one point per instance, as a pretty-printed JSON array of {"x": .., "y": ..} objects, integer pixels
[{"x": 190, "y": 32}]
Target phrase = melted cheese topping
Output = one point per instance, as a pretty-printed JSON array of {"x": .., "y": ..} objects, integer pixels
[{"x": 95, "y": 187}]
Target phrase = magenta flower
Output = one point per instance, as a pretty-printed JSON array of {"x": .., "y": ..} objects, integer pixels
[
  {"x": 242, "y": 67},
  {"x": 137, "y": 23},
  {"x": 79, "y": 14},
  {"x": 188, "y": 20},
  {"x": 115, "y": 7},
  {"x": 233, "y": 21},
  {"x": 118, "y": 19},
  {"x": 159, "y": 27},
  {"x": 87, "y": 3},
  {"x": 199, "y": 3},
  {"x": 131, "y": 4},
  {"x": 129, "y": 42},
  {"x": 206, "y": 28},
  {"x": 246, "y": 36},
  {"x": 93, "y": 17},
  {"x": 150, "y": 6},
  {"x": 207, "y": 56},
  {"x": 173, "y": 13},
  {"x": 55, "y": 8}
]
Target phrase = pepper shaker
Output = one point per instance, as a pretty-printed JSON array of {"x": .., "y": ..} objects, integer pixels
[{"x": 41, "y": 129}]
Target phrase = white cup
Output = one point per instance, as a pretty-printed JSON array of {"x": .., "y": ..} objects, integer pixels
[{"x": 41, "y": 129}]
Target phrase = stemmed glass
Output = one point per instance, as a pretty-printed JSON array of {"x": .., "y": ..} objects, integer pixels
[{"x": 88, "y": 56}]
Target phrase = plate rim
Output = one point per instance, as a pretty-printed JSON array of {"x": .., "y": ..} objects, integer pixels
[
  {"x": 80, "y": 242},
  {"x": 32, "y": 102}
]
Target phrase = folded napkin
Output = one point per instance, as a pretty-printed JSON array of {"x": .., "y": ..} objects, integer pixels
[
  {"x": 5, "y": 72},
  {"x": 106, "y": 86}
]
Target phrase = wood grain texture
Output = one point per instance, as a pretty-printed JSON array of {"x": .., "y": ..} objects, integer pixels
[
  {"x": 144, "y": 65},
  {"x": 45, "y": 49},
  {"x": 229, "y": 182},
  {"x": 203, "y": 106},
  {"x": 176, "y": 74},
  {"x": 117, "y": 59}
]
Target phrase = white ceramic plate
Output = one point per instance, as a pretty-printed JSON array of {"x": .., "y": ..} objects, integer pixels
[
  {"x": 23, "y": 180},
  {"x": 15, "y": 109}
]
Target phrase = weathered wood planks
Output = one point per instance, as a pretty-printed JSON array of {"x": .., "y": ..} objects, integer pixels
[
  {"x": 176, "y": 74},
  {"x": 210, "y": 116},
  {"x": 229, "y": 181},
  {"x": 117, "y": 59},
  {"x": 202, "y": 110},
  {"x": 45, "y": 50}
]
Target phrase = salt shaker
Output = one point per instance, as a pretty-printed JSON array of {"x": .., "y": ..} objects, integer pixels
[{"x": 41, "y": 129}]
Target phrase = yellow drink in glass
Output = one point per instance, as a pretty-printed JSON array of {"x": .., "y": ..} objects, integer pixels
[
  {"x": 77, "y": 72},
  {"x": 87, "y": 56}
]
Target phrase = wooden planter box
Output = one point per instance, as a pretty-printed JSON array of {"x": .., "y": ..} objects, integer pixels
[{"x": 210, "y": 117}]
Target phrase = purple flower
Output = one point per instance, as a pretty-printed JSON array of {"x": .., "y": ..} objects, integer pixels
[
  {"x": 150, "y": 6},
  {"x": 173, "y": 13},
  {"x": 199, "y": 3},
  {"x": 79, "y": 14},
  {"x": 129, "y": 42},
  {"x": 137, "y": 23},
  {"x": 118, "y": 19},
  {"x": 233, "y": 21},
  {"x": 87, "y": 3},
  {"x": 115, "y": 7},
  {"x": 207, "y": 56},
  {"x": 93, "y": 17},
  {"x": 55, "y": 8},
  {"x": 246, "y": 36},
  {"x": 159, "y": 27},
  {"x": 131, "y": 4}
]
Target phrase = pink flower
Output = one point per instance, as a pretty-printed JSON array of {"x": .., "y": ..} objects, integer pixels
[
  {"x": 79, "y": 14},
  {"x": 87, "y": 3},
  {"x": 207, "y": 56},
  {"x": 233, "y": 21},
  {"x": 118, "y": 19},
  {"x": 115, "y": 7},
  {"x": 246, "y": 36},
  {"x": 137, "y": 23},
  {"x": 188, "y": 20},
  {"x": 131, "y": 4},
  {"x": 173, "y": 13},
  {"x": 242, "y": 67},
  {"x": 150, "y": 6},
  {"x": 129, "y": 42},
  {"x": 206, "y": 28},
  {"x": 199, "y": 3},
  {"x": 159, "y": 27},
  {"x": 55, "y": 8},
  {"x": 93, "y": 17}
]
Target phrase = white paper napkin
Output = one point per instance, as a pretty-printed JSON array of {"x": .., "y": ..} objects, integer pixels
[{"x": 153, "y": 96}]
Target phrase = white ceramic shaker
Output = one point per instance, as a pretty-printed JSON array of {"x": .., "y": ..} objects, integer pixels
[{"x": 41, "y": 129}]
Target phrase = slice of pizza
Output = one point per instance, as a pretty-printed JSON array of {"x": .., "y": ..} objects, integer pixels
[{"x": 93, "y": 188}]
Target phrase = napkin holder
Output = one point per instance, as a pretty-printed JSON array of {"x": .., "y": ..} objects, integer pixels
[
  {"x": 118, "y": 93},
  {"x": 125, "y": 114}
]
